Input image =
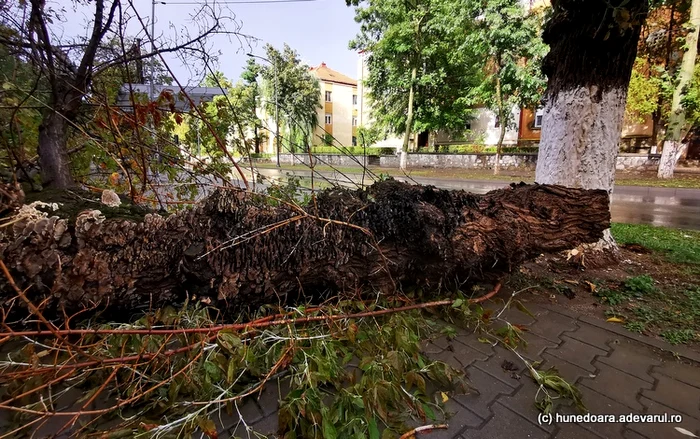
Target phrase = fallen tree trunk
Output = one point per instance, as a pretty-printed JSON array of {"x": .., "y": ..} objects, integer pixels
[{"x": 239, "y": 248}]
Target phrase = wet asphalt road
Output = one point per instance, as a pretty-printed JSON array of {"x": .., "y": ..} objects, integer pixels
[{"x": 670, "y": 207}]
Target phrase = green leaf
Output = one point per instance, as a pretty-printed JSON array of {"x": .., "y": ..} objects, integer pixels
[
  {"x": 329, "y": 431},
  {"x": 429, "y": 411},
  {"x": 457, "y": 303},
  {"x": 521, "y": 308},
  {"x": 373, "y": 429}
]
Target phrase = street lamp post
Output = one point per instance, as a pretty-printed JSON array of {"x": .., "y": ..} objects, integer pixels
[{"x": 277, "y": 108}]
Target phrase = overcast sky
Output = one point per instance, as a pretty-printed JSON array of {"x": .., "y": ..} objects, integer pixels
[{"x": 319, "y": 30}]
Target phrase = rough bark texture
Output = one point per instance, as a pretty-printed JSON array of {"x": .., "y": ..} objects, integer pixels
[
  {"x": 580, "y": 134},
  {"x": 53, "y": 158},
  {"x": 593, "y": 44},
  {"x": 593, "y": 47},
  {"x": 236, "y": 249},
  {"x": 403, "y": 159}
]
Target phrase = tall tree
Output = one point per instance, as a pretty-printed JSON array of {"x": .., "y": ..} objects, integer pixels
[
  {"x": 298, "y": 94},
  {"x": 593, "y": 46},
  {"x": 252, "y": 91},
  {"x": 421, "y": 74},
  {"x": 658, "y": 60},
  {"x": 511, "y": 51},
  {"x": 69, "y": 66},
  {"x": 674, "y": 144}
]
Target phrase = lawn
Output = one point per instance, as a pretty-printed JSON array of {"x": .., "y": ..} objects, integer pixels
[{"x": 676, "y": 246}]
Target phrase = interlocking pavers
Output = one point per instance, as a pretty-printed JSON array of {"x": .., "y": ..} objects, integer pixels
[
  {"x": 680, "y": 371},
  {"x": 599, "y": 404},
  {"x": 460, "y": 419},
  {"x": 634, "y": 359},
  {"x": 663, "y": 430},
  {"x": 488, "y": 389},
  {"x": 577, "y": 352},
  {"x": 618, "y": 385},
  {"x": 551, "y": 325},
  {"x": 566, "y": 370},
  {"x": 506, "y": 424},
  {"x": 535, "y": 346},
  {"x": 503, "y": 365},
  {"x": 523, "y": 403},
  {"x": 574, "y": 431},
  {"x": 594, "y": 336},
  {"x": 675, "y": 394}
]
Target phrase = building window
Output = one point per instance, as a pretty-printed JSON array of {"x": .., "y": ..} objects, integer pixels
[
  {"x": 539, "y": 114},
  {"x": 354, "y": 99},
  {"x": 354, "y": 141},
  {"x": 498, "y": 121},
  {"x": 329, "y": 120},
  {"x": 328, "y": 96},
  {"x": 354, "y": 121}
]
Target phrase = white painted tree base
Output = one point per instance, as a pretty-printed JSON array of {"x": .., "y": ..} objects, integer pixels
[
  {"x": 670, "y": 155},
  {"x": 580, "y": 134},
  {"x": 403, "y": 159},
  {"x": 579, "y": 145}
]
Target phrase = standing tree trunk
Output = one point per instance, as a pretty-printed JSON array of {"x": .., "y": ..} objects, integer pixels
[
  {"x": 53, "y": 158},
  {"x": 593, "y": 47},
  {"x": 502, "y": 125},
  {"x": 674, "y": 146},
  {"x": 409, "y": 120}
]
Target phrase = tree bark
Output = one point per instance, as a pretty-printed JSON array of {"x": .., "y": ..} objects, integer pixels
[
  {"x": 53, "y": 157},
  {"x": 238, "y": 250},
  {"x": 674, "y": 145},
  {"x": 409, "y": 121},
  {"x": 589, "y": 67},
  {"x": 502, "y": 124},
  {"x": 592, "y": 51}
]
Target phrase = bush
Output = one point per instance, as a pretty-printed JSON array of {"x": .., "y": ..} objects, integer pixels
[
  {"x": 351, "y": 150},
  {"x": 483, "y": 149}
]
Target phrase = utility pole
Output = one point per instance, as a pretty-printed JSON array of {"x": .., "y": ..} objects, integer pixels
[{"x": 277, "y": 107}]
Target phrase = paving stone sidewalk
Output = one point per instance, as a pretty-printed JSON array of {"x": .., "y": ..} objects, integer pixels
[{"x": 617, "y": 372}]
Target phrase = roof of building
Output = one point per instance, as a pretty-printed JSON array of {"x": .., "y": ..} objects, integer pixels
[{"x": 324, "y": 73}]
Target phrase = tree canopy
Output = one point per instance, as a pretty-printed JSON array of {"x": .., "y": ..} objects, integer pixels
[
  {"x": 289, "y": 82},
  {"x": 427, "y": 35}
]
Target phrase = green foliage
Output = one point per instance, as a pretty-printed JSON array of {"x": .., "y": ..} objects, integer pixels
[
  {"x": 482, "y": 149},
  {"x": 346, "y": 378},
  {"x": 673, "y": 313},
  {"x": 288, "y": 191},
  {"x": 19, "y": 118},
  {"x": 691, "y": 100},
  {"x": 351, "y": 150},
  {"x": 428, "y": 36},
  {"x": 678, "y": 246},
  {"x": 550, "y": 381},
  {"x": 640, "y": 285},
  {"x": 680, "y": 336},
  {"x": 369, "y": 135},
  {"x": 328, "y": 139},
  {"x": 508, "y": 43},
  {"x": 297, "y": 92},
  {"x": 644, "y": 91}
]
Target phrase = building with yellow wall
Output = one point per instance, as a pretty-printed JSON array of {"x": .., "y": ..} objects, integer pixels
[{"x": 339, "y": 115}]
